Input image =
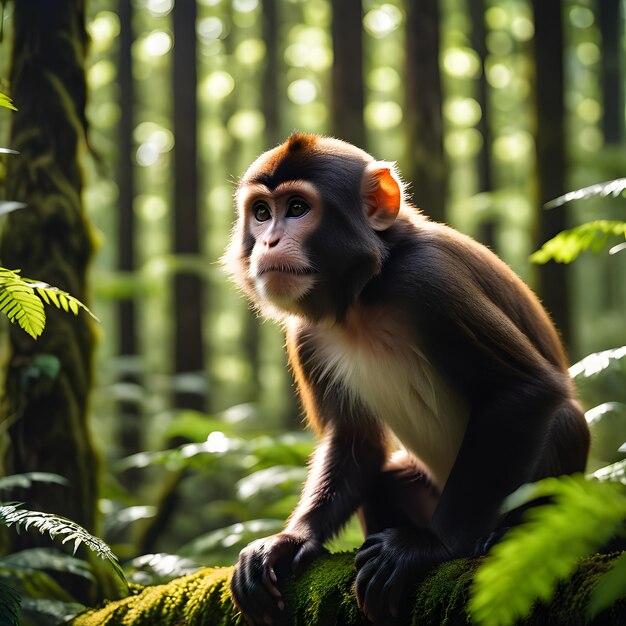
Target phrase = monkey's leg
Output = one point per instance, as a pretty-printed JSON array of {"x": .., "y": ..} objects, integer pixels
[{"x": 402, "y": 495}]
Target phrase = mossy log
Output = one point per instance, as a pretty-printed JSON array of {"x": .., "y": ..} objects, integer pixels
[{"x": 323, "y": 596}]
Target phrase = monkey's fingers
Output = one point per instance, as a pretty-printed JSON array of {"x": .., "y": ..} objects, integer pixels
[
  {"x": 366, "y": 554},
  {"x": 249, "y": 591},
  {"x": 373, "y": 605},
  {"x": 361, "y": 582}
]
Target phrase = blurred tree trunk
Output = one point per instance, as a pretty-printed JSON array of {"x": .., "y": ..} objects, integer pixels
[
  {"x": 347, "y": 77},
  {"x": 188, "y": 287},
  {"x": 611, "y": 24},
  {"x": 44, "y": 409},
  {"x": 271, "y": 74},
  {"x": 130, "y": 439},
  {"x": 426, "y": 167},
  {"x": 271, "y": 110},
  {"x": 550, "y": 142},
  {"x": 478, "y": 37}
]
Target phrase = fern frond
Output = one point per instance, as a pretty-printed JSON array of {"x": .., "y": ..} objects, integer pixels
[
  {"x": 57, "y": 526},
  {"x": 568, "y": 244},
  {"x": 532, "y": 558},
  {"x": 608, "y": 188},
  {"x": 60, "y": 299},
  {"x": 19, "y": 302}
]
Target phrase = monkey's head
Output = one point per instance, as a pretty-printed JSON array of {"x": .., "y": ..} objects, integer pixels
[{"x": 307, "y": 240}]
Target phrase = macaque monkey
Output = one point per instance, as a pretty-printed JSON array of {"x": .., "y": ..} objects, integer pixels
[{"x": 435, "y": 380}]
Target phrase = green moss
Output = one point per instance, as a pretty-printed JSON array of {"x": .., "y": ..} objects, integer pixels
[{"x": 323, "y": 596}]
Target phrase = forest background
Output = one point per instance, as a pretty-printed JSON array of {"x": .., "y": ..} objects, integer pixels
[{"x": 191, "y": 437}]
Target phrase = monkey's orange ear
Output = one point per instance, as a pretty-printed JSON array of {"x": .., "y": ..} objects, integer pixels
[{"x": 382, "y": 194}]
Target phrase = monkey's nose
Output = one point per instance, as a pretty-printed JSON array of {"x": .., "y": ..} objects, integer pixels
[{"x": 271, "y": 242}]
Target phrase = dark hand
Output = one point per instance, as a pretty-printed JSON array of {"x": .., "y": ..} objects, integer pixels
[
  {"x": 390, "y": 563},
  {"x": 254, "y": 584}
]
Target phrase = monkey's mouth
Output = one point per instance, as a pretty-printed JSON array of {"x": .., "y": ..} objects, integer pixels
[
  {"x": 290, "y": 270},
  {"x": 283, "y": 284}
]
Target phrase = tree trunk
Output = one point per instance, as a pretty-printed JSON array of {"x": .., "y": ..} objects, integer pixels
[
  {"x": 130, "y": 439},
  {"x": 188, "y": 288},
  {"x": 550, "y": 142},
  {"x": 48, "y": 381},
  {"x": 478, "y": 39},
  {"x": 611, "y": 25},
  {"x": 426, "y": 167},
  {"x": 347, "y": 77}
]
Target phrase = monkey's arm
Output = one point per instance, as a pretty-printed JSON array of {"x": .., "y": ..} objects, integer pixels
[{"x": 343, "y": 464}]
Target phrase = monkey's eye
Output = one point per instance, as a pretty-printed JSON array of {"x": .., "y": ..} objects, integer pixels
[
  {"x": 261, "y": 212},
  {"x": 297, "y": 208}
]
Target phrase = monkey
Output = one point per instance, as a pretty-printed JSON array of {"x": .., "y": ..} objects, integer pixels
[{"x": 433, "y": 377}]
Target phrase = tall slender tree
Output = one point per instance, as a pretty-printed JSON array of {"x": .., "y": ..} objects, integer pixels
[
  {"x": 130, "y": 432},
  {"x": 47, "y": 382},
  {"x": 188, "y": 288},
  {"x": 347, "y": 74},
  {"x": 426, "y": 168},
  {"x": 550, "y": 142},
  {"x": 611, "y": 22},
  {"x": 479, "y": 43}
]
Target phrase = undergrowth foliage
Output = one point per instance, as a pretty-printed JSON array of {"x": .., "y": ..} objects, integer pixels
[
  {"x": 583, "y": 516},
  {"x": 57, "y": 526}
]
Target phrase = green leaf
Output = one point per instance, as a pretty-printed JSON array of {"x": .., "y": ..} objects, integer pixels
[
  {"x": 19, "y": 302},
  {"x": 607, "y": 423},
  {"x": 38, "y": 559},
  {"x": 56, "y": 525},
  {"x": 45, "y": 612},
  {"x": 615, "y": 472},
  {"x": 9, "y": 206},
  {"x": 568, "y": 244},
  {"x": 59, "y": 298},
  {"x": 608, "y": 188},
  {"x": 532, "y": 558},
  {"x": 6, "y": 102},
  {"x": 9, "y": 605},
  {"x": 25, "y": 480}
]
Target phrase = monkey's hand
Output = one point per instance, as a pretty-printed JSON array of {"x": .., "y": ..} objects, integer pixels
[
  {"x": 389, "y": 565},
  {"x": 262, "y": 564}
]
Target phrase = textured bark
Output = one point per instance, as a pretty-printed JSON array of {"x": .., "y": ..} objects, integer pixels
[{"x": 45, "y": 411}]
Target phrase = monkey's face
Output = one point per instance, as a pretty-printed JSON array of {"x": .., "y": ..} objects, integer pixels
[
  {"x": 278, "y": 223},
  {"x": 306, "y": 240}
]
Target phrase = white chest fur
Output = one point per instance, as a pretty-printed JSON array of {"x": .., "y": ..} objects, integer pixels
[{"x": 374, "y": 361}]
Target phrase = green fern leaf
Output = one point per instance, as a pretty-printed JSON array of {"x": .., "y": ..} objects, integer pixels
[
  {"x": 6, "y": 102},
  {"x": 568, "y": 244},
  {"x": 55, "y": 525},
  {"x": 608, "y": 188},
  {"x": 532, "y": 558},
  {"x": 60, "y": 299},
  {"x": 19, "y": 302}
]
